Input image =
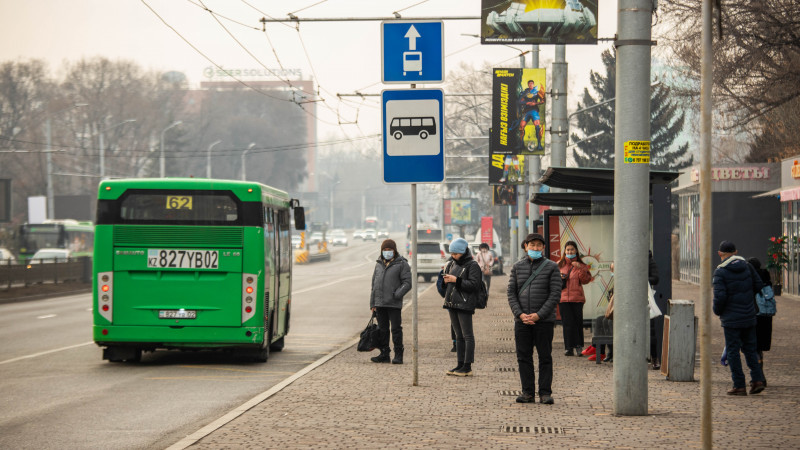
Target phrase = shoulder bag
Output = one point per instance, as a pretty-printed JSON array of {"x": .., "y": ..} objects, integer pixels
[{"x": 530, "y": 278}]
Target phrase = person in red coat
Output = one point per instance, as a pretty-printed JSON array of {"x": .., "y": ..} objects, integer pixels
[{"x": 574, "y": 274}]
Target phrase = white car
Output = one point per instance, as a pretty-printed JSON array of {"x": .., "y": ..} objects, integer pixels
[
  {"x": 431, "y": 258},
  {"x": 297, "y": 241},
  {"x": 370, "y": 235},
  {"x": 358, "y": 234},
  {"x": 315, "y": 238},
  {"x": 50, "y": 255},
  {"x": 6, "y": 257},
  {"x": 338, "y": 237}
]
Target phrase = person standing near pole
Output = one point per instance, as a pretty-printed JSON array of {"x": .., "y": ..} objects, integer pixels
[
  {"x": 391, "y": 281},
  {"x": 574, "y": 273},
  {"x": 735, "y": 285},
  {"x": 534, "y": 289}
]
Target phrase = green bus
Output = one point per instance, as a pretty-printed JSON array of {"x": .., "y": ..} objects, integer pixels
[
  {"x": 75, "y": 236},
  {"x": 185, "y": 263}
]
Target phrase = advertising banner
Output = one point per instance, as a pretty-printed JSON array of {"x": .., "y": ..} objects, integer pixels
[
  {"x": 458, "y": 211},
  {"x": 539, "y": 22},
  {"x": 506, "y": 169},
  {"x": 503, "y": 195},
  {"x": 518, "y": 111},
  {"x": 486, "y": 230}
]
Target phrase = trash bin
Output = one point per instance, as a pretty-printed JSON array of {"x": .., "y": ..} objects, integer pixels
[{"x": 680, "y": 341}]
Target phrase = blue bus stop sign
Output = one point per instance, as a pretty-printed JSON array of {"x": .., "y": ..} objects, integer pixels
[
  {"x": 413, "y": 135},
  {"x": 412, "y": 51}
]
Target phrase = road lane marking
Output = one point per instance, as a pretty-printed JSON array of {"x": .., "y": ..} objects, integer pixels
[
  {"x": 301, "y": 291},
  {"x": 45, "y": 352},
  {"x": 46, "y": 316}
]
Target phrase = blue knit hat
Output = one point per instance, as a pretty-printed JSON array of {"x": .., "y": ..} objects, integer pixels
[{"x": 458, "y": 246}]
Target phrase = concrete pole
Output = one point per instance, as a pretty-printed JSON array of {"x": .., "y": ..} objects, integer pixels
[
  {"x": 162, "y": 170},
  {"x": 631, "y": 218},
  {"x": 512, "y": 239},
  {"x": 414, "y": 314},
  {"x": 706, "y": 356},
  {"x": 49, "y": 159},
  {"x": 208, "y": 158},
  {"x": 102, "y": 156},
  {"x": 522, "y": 191},
  {"x": 244, "y": 162},
  {"x": 559, "y": 126},
  {"x": 534, "y": 166}
]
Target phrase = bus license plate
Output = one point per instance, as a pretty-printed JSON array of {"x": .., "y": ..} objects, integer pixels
[
  {"x": 182, "y": 259},
  {"x": 177, "y": 314}
]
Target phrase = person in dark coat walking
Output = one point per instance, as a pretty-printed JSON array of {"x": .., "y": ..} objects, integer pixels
[
  {"x": 735, "y": 285},
  {"x": 763, "y": 321},
  {"x": 391, "y": 280},
  {"x": 462, "y": 277},
  {"x": 533, "y": 304}
]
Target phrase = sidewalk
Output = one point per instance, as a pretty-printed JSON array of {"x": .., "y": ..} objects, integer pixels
[{"x": 350, "y": 402}]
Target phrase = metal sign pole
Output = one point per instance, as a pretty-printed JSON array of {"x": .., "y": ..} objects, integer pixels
[{"x": 414, "y": 317}]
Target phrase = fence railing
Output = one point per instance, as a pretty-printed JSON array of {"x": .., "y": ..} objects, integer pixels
[{"x": 24, "y": 274}]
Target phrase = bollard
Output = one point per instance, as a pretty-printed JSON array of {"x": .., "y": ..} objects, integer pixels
[{"x": 680, "y": 341}]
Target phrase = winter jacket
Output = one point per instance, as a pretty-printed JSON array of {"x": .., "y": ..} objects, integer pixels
[
  {"x": 735, "y": 284},
  {"x": 541, "y": 295},
  {"x": 463, "y": 294},
  {"x": 576, "y": 278},
  {"x": 486, "y": 261},
  {"x": 390, "y": 283}
]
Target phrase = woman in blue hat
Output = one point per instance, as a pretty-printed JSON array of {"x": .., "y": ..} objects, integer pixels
[{"x": 462, "y": 276}]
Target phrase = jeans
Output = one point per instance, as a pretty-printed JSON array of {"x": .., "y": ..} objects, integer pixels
[
  {"x": 488, "y": 280},
  {"x": 461, "y": 322},
  {"x": 385, "y": 317},
  {"x": 572, "y": 323},
  {"x": 539, "y": 336},
  {"x": 743, "y": 339}
]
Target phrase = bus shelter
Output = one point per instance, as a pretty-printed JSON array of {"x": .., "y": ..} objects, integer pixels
[{"x": 585, "y": 215}]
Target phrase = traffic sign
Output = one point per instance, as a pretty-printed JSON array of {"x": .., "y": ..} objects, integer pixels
[
  {"x": 412, "y": 51},
  {"x": 413, "y": 135}
]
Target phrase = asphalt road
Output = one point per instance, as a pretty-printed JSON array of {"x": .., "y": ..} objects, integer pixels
[{"x": 57, "y": 392}]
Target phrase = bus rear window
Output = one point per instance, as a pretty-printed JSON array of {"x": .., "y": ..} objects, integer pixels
[{"x": 179, "y": 207}]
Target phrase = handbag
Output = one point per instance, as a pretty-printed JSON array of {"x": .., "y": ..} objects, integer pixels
[
  {"x": 371, "y": 336},
  {"x": 610, "y": 308},
  {"x": 651, "y": 299},
  {"x": 440, "y": 285}
]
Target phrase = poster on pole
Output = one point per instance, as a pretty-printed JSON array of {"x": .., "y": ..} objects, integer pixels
[
  {"x": 518, "y": 111},
  {"x": 506, "y": 169},
  {"x": 539, "y": 22},
  {"x": 503, "y": 195}
]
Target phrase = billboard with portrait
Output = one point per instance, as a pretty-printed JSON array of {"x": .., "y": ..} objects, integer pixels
[
  {"x": 539, "y": 21},
  {"x": 518, "y": 111},
  {"x": 506, "y": 169},
  {"x": 458, "y": 211},
  {"x": 503, "y": 195}
]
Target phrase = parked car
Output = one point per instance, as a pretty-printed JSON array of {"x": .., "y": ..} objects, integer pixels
[
  {"x": 6, "y": 257},
  {"x": 431, "y": 258},
  {"x": 370, "y": 235},
  {"x": 358, "y": 234},
  {"x": 383, "y": 234},
  {"x": 315, "y": 237},
  {"x": 338, "y": 237},
  {"x": 50, "y": 255}
]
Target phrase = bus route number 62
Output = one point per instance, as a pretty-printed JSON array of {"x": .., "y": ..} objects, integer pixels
[{"x": 179, "y": 202}]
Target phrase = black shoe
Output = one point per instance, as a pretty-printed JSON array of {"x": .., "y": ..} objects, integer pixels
[
  {"x": 464, "y": 371},
  {"x": 382, "y": 358},
  {"x": 526, "y": 398},
  {"x": 608, "y": 358},
  {"x": 756, "y": 387},
  {"x": 546, "y": 400},
  {"x": 569, "y": 353},
  {"x": 398, "y": 355},
  {"x": 458, "y": 367}
]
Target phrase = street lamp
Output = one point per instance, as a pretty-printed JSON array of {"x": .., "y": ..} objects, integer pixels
[
  {"x": 49, "y": 157},
  {"x": 244, "y": 154},
  {"x": 208, "y": 158},
  {"x": 172, "y": 125},
  {"x": 102, "y": 146}
]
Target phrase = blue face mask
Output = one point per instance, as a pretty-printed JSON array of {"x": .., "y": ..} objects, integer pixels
[
  {"x": 387, "y": 255},
  {"x": 571, "y": 256},
  {"x": 534, "y": 254}
]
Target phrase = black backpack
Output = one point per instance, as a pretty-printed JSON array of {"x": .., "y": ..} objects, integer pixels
[{"x": 483, "y": 294}]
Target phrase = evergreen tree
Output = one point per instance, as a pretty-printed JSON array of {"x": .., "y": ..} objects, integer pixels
[{"x": 666, "y": 123}]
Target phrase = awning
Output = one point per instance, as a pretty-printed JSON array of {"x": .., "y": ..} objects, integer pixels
[
  {"x": 768, "y": 193},
  {"x": 788, "y": 195},
  {"x": 594, "y": 180}
]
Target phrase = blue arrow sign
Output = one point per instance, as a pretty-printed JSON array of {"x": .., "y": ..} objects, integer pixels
[
  {"x": 413, "y": 135},
  {"x": 412, "y": 51}
]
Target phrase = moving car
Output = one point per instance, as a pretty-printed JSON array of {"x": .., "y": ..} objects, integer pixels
[
  {"x": 338, "y": 237},
  {"x": 431, "y": 258},
  {"x": 358, "y": 234},
  {"x": 6, "y": 257},
  {"x": 370, "y": 235},
  {"x": 50, "y": 255},
  {"x": 297, "y": 241},
  {"x": 315, "y": 238},
  {"x": 383, "y": 234}
]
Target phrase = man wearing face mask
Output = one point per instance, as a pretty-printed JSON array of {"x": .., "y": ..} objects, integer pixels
[
  {"x": 391, "y": 280},
  {"x": 534, "y": 289}
]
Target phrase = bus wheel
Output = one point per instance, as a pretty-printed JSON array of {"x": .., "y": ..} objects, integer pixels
[
  {"x": 277, "y": 345},
  {"x": 397, "y": 135},
  {"x": 423, "y": 134},
  {"x": 115, "y": 353}
]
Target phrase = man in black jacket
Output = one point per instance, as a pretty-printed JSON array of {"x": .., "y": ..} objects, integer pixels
[
  {"x": 533, "y": 304},
  {"x": 735, "y": 284}
]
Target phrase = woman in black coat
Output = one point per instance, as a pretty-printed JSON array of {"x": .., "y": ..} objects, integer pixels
[
  {"x": 461, "y": 278},
  {"x": 763, "y": 323}
]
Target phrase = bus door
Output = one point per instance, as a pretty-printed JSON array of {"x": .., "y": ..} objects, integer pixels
[
  {"x": 284, "y": 260},
  {"x": 271, "y": 279}
]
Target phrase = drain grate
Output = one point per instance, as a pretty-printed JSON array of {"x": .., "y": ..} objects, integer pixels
[
  {"x": 511, "y": 393},
  {"x": 506, "y": 369},
  {"x": 505, "y": 339},
  {"x": 536, "y": 430},
  {"x": 506, "y": 350}
]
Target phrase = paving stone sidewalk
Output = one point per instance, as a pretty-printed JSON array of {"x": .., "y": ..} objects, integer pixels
[{"x": 350, "y": 402}]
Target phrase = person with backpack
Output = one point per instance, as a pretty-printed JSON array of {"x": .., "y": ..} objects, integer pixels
[
  {"x": 462, "y": 282},
  {"x": 534, "y": 289},
  {"x": 765, "y": 300}
]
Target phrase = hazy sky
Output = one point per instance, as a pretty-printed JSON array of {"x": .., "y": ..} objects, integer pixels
[{"x": 343, "y": 57}]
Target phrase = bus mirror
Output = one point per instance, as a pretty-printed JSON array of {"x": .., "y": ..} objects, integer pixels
[{"x": 299, "y": 218}]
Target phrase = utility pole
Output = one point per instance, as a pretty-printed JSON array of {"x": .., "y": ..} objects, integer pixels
[
  {"x": 49, "y": 158},
  {"x": 522, "y": 191},
  {"x": 534, "y": 165},
  {"x": 559, "y": 128},
  {"x": 632, "y": 212},
  {"x": 208, "y": 158}
]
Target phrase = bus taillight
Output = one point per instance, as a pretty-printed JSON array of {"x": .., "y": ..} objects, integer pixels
[
  {"x": 249, "y": 284},
  {"x": 105, "y": 294}
]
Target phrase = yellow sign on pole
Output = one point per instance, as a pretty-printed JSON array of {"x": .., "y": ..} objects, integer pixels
[{"x": 637, "y": 152}]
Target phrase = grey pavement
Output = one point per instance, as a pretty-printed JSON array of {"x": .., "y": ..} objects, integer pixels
[{"x": 350, "y": 402}]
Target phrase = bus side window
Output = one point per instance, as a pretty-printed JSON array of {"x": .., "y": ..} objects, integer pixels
[{"x": 427, "y": 121}]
